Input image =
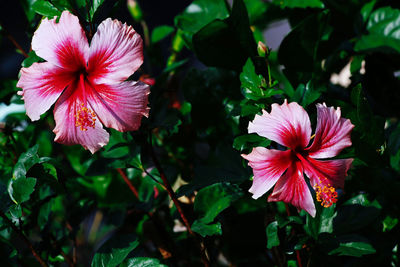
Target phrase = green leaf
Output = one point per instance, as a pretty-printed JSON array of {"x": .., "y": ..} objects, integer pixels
[
  {"x": 27, "y": 6},
  {"x": 389, "y": 223},
  {"x": 213, "y": 199},
  {"x": 256, "y": 9},
  {"x": 367, "y": 9},
  {"x": 114, "y": 251},
  {"x": 16, "y": 211},
  {"x": 353, "y": 245},
  {"x": 31, "y": 59},
  {"x": 161, "y": 32},
  {"x": 322, "y": 223},
  {"x": 44, "y": 214},
  {"x": 248, "y": 141},
  {"x": 198, "y": 14},
  {"x": 204, "y": 229},
  {"x": 96, "y": 4},
  {"x": 21, "y": 188},
  {"x": 254, "y": 85},
  {"x": 384, "y": 32},
  {"x": 272, "y": 235},
  {"x": 283, "y": 221},
  {"x": 226, "y": 43},
  {"x": 300, "y": 3},
  {"x": 26, "y": 161},
  {"x": 305, "y": 95},
  {"x": 45, "y": 8},
  {"x": 355, "y": 214},
  {"x": 299, "y": 49},
  {"x": 142, "y": 262},
  {"x": 63, "y": 5}
]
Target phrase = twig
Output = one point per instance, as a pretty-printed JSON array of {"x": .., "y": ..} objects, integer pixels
[
  {"x": 66, "y": 257},
  {"x": 25, "y": 239},
  {"x": 159, "y": 227},
  {"x": 128, "y": 182},
  {"x": 172, "y": 194},
  {"x": 170, "y": 191},
  {"x": 145, "y": 33},
  {"x": 16, "y": 44}
]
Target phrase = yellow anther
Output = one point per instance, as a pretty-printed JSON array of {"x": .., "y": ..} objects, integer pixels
[
  {"x": 84, "y": 118},
  {"x": 326, "y": 194}
]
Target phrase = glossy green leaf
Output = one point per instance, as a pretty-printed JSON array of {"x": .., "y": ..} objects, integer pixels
[
  {"x": 44, "y": 214},
  {"x": 31, "y": 59},
  {"x": 115, "y": 250},
  {"x": 272, "y": 235},
  {"x": 353, "y": 245},
  {"x": 389, "y": 223},
  {"x": 248, "y": 141},
  {"x": 45, "y": 8},
  {"x": 16, "y": 211},
  {"x": 253, "y": 85},
  {"x": 366, "y": 10},
  {"x": 161, "y": 32},
  {"x": 305, "y": 94},
  {"x": 95, "y": 6},
  {"x": 199, "y": 13},
  {"x": 383, "y": 32},
  {"x": 299, "y": 49},
  {"x": 256, "y": 9},
  {"x": 21, "y": 188},
  {"x": 213, "y": 199},
  {"x": 300, "y": 3},
  {"x": 26, "y": 161},
  {"x": 142, "y": 262},
  {"x": 226, "y": 43},
  {"x": 205, "y": 229},
  {"x": 356, "y": 213},
  {"x": 29, "y": 11},
  {"x": 322, "y": 222}
]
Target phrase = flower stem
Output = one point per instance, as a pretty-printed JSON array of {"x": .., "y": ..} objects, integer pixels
[
  {"x": 15, "y": 43},
  {"x": 128, "y": 182},
  {"x": 172, "y": 194},
  {"x": 170, "y": 191},
  {"x": 25, "y": 239},
  {"x": 145, "y": 33}
]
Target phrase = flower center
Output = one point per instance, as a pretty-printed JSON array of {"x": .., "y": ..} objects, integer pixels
[
  {"x": 326, "y": 194},
  {"x": 84, "y": 118}
]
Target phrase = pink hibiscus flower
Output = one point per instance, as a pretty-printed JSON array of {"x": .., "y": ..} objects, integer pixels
[
  {"x": 89, "y": 82},
  {"x": 289, "y": 125}
]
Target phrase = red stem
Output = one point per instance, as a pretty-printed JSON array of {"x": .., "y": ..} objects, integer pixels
[
  {"x": 172, "y": 194},
  {"x": 128, "y": 182},
  {"x": 16, "y": 44},
  {"x": 25, "y": 239}
]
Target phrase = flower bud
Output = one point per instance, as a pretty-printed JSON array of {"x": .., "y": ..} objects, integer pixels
[
  {"x": 262, "y": 49},
  {"x": 135, "y": 10}
]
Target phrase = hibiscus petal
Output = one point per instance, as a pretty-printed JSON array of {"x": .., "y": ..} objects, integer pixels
[
  {"x": 331, "y": 172},
  {"x": 42, "y": 84},
  {"x": 116, "y": 52},
  {"x": 292, "y": 188},
  {"x": 287, "y": 124},
  {"x": 65, "y": 110},
  {"x": 63, "y": 44},
  {"x": 120, "y": 106},
  {"x": 268, "y": 165},
  {"x": 332, "y": 133}
]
